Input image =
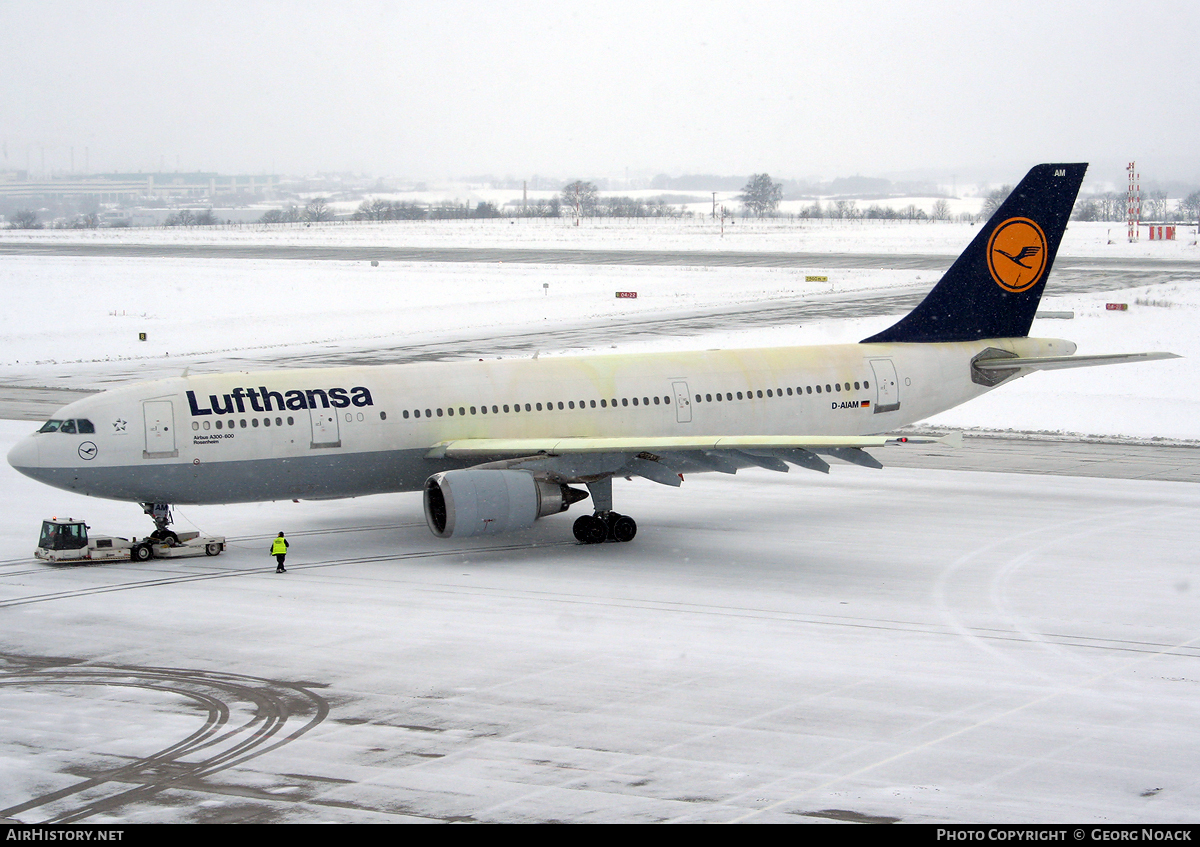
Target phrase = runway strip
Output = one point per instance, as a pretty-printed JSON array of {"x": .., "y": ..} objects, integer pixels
[{"x": 553, "y": 256}]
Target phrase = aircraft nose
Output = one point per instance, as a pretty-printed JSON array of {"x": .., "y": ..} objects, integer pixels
[{"x": 24, "y": 456}]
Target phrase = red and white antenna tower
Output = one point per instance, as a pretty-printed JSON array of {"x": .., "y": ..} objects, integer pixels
[{"x": 1134, "y": 201}]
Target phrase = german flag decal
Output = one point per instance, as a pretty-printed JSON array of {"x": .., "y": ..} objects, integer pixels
[{"x": 1016, "y": 254}]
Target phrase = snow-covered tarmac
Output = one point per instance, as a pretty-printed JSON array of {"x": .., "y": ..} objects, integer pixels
[{"x": 917, "y": 645}]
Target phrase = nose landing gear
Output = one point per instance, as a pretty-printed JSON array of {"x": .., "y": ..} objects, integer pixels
[{"x": 160, "y": 513}]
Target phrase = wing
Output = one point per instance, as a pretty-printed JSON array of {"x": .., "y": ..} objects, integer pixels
[{"x": 664, "y": 458}]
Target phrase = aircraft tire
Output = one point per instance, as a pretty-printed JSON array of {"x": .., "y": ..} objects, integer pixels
[
  {"x": 579, "y": 528},
  {"x": 165, "y": 535},
  {"x": 589, "y": 529},
  {"x": 624, "y": 528}
]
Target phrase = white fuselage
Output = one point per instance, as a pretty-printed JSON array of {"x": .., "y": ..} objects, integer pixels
[{"x": 343, "y": 432}]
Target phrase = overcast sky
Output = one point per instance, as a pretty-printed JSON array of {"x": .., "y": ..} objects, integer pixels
[{"x": 437, "y": 89}]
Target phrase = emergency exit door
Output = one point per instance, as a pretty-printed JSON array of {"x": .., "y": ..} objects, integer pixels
[{"x": 683, "y": 402}]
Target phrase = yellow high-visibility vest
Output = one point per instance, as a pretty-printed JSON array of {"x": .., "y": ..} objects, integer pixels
[{"x": 280, "y": 546}]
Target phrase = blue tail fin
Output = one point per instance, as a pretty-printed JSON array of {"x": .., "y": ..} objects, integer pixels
[{"x": 992, "y": 290}]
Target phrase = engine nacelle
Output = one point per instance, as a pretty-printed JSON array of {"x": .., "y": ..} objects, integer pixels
[{"x": 459, "y": 504}]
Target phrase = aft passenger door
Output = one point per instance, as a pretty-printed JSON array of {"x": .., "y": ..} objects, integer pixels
[{"x": 887, "y": 386}]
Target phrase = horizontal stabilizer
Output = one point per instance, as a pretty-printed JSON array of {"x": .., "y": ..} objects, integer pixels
[{"x": 1053, "y": 363}]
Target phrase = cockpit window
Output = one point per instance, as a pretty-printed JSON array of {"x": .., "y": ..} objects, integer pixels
[{"x": 83, "y": 425}]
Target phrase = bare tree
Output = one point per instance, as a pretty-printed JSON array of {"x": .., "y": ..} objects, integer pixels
[
  {"x": 90, "y": 220},
  {"x": 1156, "y": 205},
  {"x": 1086, "y": 210},
  {"x": 994, "y": 201},
  {"x": 761, "y": 196},
  {"x": 940, "y": 211},
  {"x": 1191, "y": 206},
  {"x": 318, "y": 210},
  {"x": 580, "y": 196},
  {"x": 1112, "y": 206},
  {"x": 25, "y": 219},
  {"x": 843, "y": 210},
  {"x": 373, "y": 210}
]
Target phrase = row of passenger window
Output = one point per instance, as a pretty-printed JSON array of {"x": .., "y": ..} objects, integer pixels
[
  {"x": 515, "y": 408},
  {"x": 242, "y": 422},
  {"x": 463, "y": 411},
  {"x": 779, "y": 392}
]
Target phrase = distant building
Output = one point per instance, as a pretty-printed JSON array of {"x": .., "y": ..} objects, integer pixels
[{"x": 116, "y": 188}]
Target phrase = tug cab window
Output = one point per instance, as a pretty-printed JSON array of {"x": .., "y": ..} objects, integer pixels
[{"x": 63, "y": 536}]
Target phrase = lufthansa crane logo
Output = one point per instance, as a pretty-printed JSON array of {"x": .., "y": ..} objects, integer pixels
[{"x": 1016, "y": 254}]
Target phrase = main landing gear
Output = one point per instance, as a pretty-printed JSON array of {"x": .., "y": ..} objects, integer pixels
[
  {"x": 605, "y": 524},
  {"x": 161, "y": 514}
]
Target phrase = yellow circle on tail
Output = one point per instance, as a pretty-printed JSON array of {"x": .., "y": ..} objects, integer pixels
[{"x": 1016, "y": 254}]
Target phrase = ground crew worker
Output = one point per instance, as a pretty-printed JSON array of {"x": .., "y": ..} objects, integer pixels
[{"x": 279, "y": 551}]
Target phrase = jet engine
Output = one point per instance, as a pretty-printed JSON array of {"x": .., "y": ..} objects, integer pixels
[{"x": 459, "y": 504}]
